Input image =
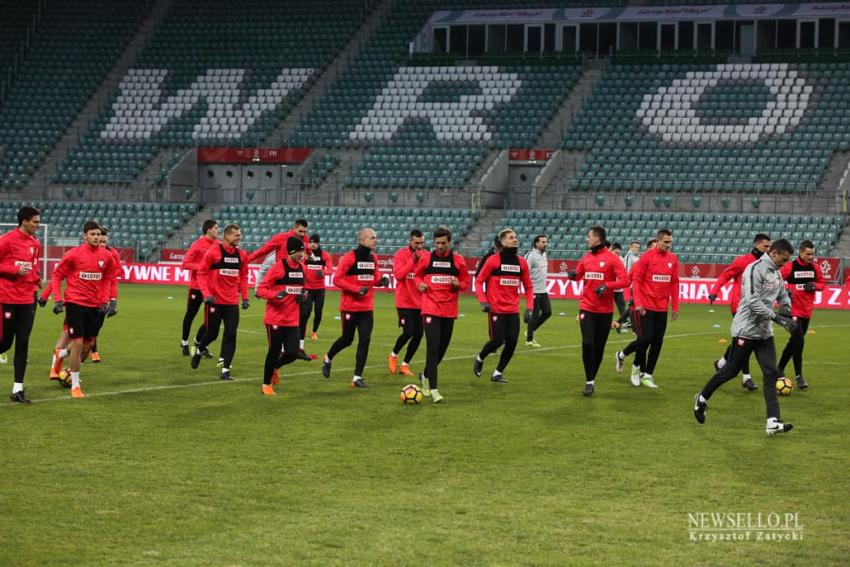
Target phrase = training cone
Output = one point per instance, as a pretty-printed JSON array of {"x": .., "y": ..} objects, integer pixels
[
  {"x": 810, "y": 332},
  {"x": 722, "y": 341}
]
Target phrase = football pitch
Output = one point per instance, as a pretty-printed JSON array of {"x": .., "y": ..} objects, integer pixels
[{"x": 163, "y": 465}]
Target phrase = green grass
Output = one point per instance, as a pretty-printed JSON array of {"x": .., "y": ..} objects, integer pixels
[{"x": 162, "y": 465}]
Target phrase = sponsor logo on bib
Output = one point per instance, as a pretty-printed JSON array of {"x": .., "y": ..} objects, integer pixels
[
  {"x": 365, "y": 265},
  {"x": 91, "y": 276},
  {"x": 228, "y": 272},
  {"x": 510, "y": 268},
  {"x": 365, "y": 277},
  {"x": 294, "y": 290},
  {"x": 807, "y": 274},
  {"x": 444, "y": 265},
  {"x": 664, "y": 278},
  {"x": 509, "y": 282},
  {"x": 441, "y": 279},
  {"x": 231, "y": 260},
  {"x": 594, "y": 276},
  {"x": 314, "y": 266}
]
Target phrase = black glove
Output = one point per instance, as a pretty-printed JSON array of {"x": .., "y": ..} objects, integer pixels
[
  {"x": 58, "y": 307},
  {"x": 527, "y": 316},
  {"x": 112, "y": 308},
  {"x": 571, "y": 274},
  {"x": 809, "y": 286},
  {"x": 485, "y": 307},
  {"x": 385, "y": 281},
  {"x": 41, "y": 302},
  {"x": 712, "y": 297},
  {"x": 784, "y": 311},
  {"x": 301, "y": 297},
  {"x": 103, "y": 308},
  {"x": 209, "y": 300},
  {"x": 601, "y": 290},
  {"x": 246, "y": 304},
  {"x": 786, "y": 323},
  {"x": 363, "y": 291},
  {"x": 281, "y": 294}
]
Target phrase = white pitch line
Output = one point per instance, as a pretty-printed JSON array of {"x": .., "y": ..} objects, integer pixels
[{"x": 309, "y": 372}]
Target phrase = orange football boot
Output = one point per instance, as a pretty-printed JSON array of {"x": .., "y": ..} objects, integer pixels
[{"x": 392, "y": 364}]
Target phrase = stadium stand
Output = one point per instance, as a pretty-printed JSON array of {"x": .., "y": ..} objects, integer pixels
[
  {"x": 697, "y": 237},
  {"x": 75, "y": 47},
  {"x": 682, "y": 127},
  {"x": 17, "y": 28},
  {"x": 142, "y": 226},
  {"x": 338, "y": 226},
  {"x": 211, "y": 76}
]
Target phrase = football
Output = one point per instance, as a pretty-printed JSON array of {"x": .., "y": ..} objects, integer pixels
[
  {"x": 65, "y": 377},
  {"x": 784, "y": 386},
  {"x": 411, "y": 394}
]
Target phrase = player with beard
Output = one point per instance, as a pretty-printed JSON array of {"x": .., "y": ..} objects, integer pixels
[
  {"x": 408, "y": 303},
  {"x": 602, "y": 273},
  {"x": 498, "y": 290},
  {"x": 195, "y": 298}
]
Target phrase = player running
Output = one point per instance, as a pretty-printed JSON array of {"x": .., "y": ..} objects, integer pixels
[
  {"x": 440, "y": 277},
  {"x": 733, "y": 273},
  {"x": 498, "y": 291},
  {"x": 356, "y": 275},
  {"x": 112, "y": 302},
  {"x": 317, "y": 265},
  {"x": 223, "y": 276},
  {"x": 195, "y": 298},
  {"x": 284, "y": 292},
  {"x": 408, "y": 302},
  {"x": 655, "y": 281},
  {"x": 602, "y": 273},
  {"x": 89, "y": 274},
  {"x": 20, "y": 278},
  {"x": 804, "y": 278},
  {"x": 752, "y": 327},
  {"x": 277, "y": 243}
]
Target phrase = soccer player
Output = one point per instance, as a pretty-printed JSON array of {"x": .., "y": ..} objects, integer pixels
[
  {"x": 804, "y": 278},
  {"x": 195, "y": 298},
  {"x": 284, "y": 292},
  {"x": 538, "y": 267},
  {"x": 733, "y": 273},
  {"x": 356, "y": 275},
  {"x": 223, "y": 276},
  {"x": 498, "y": 291},
  {"x": 602, "y": 274},
  {"x": 752, "y": 327},
  {"x": 20, "y": 278},
  {"x": 408, "y": 303},
  {"x": 277, "y": 243},
  {"x": 318, "y": 264},
  {"x": 619, "y": 295},
  {"x": 440, "y": 277},
  {"x": 111, "y": 300},
  {"x": 655, "y": 281},
  {"x": 89, "y": 274}
]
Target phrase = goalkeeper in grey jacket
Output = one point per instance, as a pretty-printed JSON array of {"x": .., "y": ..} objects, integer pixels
[{"x": 761, "y": 286}]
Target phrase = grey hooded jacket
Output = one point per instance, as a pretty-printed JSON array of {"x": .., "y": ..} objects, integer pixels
[{"x": 761, "y": 286}]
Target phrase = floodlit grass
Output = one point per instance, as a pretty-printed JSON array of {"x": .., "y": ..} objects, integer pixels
[{"x": 165, "y": 465}]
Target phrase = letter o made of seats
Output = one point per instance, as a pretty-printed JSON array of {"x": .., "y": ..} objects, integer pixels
[{"x": 670, "y": 112}]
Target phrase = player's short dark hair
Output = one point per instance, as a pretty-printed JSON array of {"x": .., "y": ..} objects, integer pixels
[
  {"x": 232, "y": 227},
  {"x": 315, "y": 238},
  {"x": 416, "y": 233},
  {"x": 441, "y": 232},
  {"x": 760, "y": 237},
  {"x": 27, "y": 213},
  {"x": 208, "y": 225},
  {"x": 616, "y": 246},
  {"x": 664, "y": 232},
  {"x": 104, "y": 231},
  {"x": 301, "y": 222},
  {"x": 651, "y": 241},
  {"x": 782, "y": 246},
  {"x": 806, "y": 244},
  {"x": 600, "y": 232},
  {"x": 90, "y": 225},
  {"x": 538, "y": 237}
]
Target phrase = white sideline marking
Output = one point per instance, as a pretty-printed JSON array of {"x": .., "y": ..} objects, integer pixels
[{"x": 349, "y": 369}]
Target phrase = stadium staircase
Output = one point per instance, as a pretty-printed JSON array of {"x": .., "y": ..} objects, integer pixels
[
  {"x": 328, "y": 192},
  {"x": 191, "y": 230},
  {"x": 337, "y": 67},
  {"x": 76, "y": 46},
  {"x": 38, "y": 185},
  {"x": 480, "y": 238}
]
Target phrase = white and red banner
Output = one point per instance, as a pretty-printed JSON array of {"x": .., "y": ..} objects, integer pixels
[{"x": 691, "y": 290}]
